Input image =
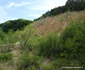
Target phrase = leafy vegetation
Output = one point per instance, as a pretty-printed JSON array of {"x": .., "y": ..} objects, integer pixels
[
  {"x": 49, "y": 45},
  {"x": 48, "y": 52},
  {"x": 72, "y": 5},
  {"x": 56, "y": 52},
  {"x": 14, "y": 25},
  {"x": 29, "y": 62},
  {"x": 66, "y": 50},
  {"x": 73, "y": 42},
  {"x": 5, "y": 57}
]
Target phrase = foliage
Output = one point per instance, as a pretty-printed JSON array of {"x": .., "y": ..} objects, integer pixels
[
  {"x": 48, "y": 67},
  {"x": 49, "y": 45},
  {"x": 29, "y": 62},
  {"x": 73, "y": 42},
  {"x": 2, "y": 35},
  {"x": 70, "y": 6},
  {"x": 59, "y": 63},
  {"x": 66, "y": 50},
  {"x": 14, "y": 25},
  {"x": 5, "y": 57},
  {"x": 7, "y": 42},
  {"x": 23, "y": 36}
]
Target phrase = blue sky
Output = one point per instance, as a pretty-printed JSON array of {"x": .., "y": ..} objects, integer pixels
[{"x": 27, "y": 9}]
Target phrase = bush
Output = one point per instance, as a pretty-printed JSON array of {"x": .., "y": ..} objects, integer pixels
[
  {"x": 2, "y": 35},
  {"x": 29, "y": 62},
  {"x": 59, "y": 63},
  {"x": 48, "y": 67},
  {"x": 73, "y": 42},
  {"x": 5, "y": 57},
  {"x": 49, "y": 45}
]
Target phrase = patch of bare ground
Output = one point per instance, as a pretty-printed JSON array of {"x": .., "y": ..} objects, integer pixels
[
  {"x": 57, "y": 23},
  {"x": 46, "y": 62}
]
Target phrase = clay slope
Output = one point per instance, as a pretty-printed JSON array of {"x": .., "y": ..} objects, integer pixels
[{"x": 57, "y": 23}]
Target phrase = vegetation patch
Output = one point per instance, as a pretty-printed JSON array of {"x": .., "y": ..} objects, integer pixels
[{"x": 4, "y": 57}]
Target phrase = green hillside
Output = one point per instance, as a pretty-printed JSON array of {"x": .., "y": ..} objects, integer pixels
[{"x": 14, "y": 25}]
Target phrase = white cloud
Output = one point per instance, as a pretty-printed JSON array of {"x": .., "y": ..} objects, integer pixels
[
  {"x": 18, "y": 4},
  {"x": 3, "y": 14},
  {"x": 32, "y": 9},
  {"x": 47, "y": 4}
]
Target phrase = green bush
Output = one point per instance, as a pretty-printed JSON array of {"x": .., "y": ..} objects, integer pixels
[
  {"x": 59, "y": 63},
  {"x": 49, "y": 46},
  {"x": 2, "y": 36},
  {"x": 29, "y": 62},
  {"x": 5, "y": 57},
  {"x": 48, "y": 67},
  {"x": 73, "y": 42}
]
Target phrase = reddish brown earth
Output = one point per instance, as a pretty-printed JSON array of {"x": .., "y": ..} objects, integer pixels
[{"x": 58, "y": 22}]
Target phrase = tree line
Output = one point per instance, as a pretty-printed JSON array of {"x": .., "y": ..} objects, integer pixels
[
  {"x": 14, "y": 25},
  {"x": 70, "y": 6}
]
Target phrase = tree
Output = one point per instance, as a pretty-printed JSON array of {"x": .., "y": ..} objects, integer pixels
[
  {"x": 14, "y": 25},
  {"x": 49, "y": 46},
  {"x": 2, "y": 34},
  {"x": 73, "y": 41},
  {"x": 23, "y": 36}
]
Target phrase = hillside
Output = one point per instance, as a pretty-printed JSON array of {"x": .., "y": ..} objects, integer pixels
[
  {"x": 55, "y": 41},
  {"x": 14, "y": 25},
  {"x": 57, "y": 23},
  {"x": 71, "y": 5}
]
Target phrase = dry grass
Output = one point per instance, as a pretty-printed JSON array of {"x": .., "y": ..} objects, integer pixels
[{"x": 11, "y": 65}]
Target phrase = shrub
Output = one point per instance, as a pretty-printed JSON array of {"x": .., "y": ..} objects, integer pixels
[
  {"x": 49, "y": 45},
  {"x": 5, "y": 57},
  {"x": 48, "y": 67},
  {"x": 29, "y": 62},
  {"x": 59, "y": 63},
  {"x": 73, "y": 42}
]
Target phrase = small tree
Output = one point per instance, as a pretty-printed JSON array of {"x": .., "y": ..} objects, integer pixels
[
  {"x": 49, "y": 46},
  {"x": 73, "y": 41},
  {"x": 24, "y": 36}
]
